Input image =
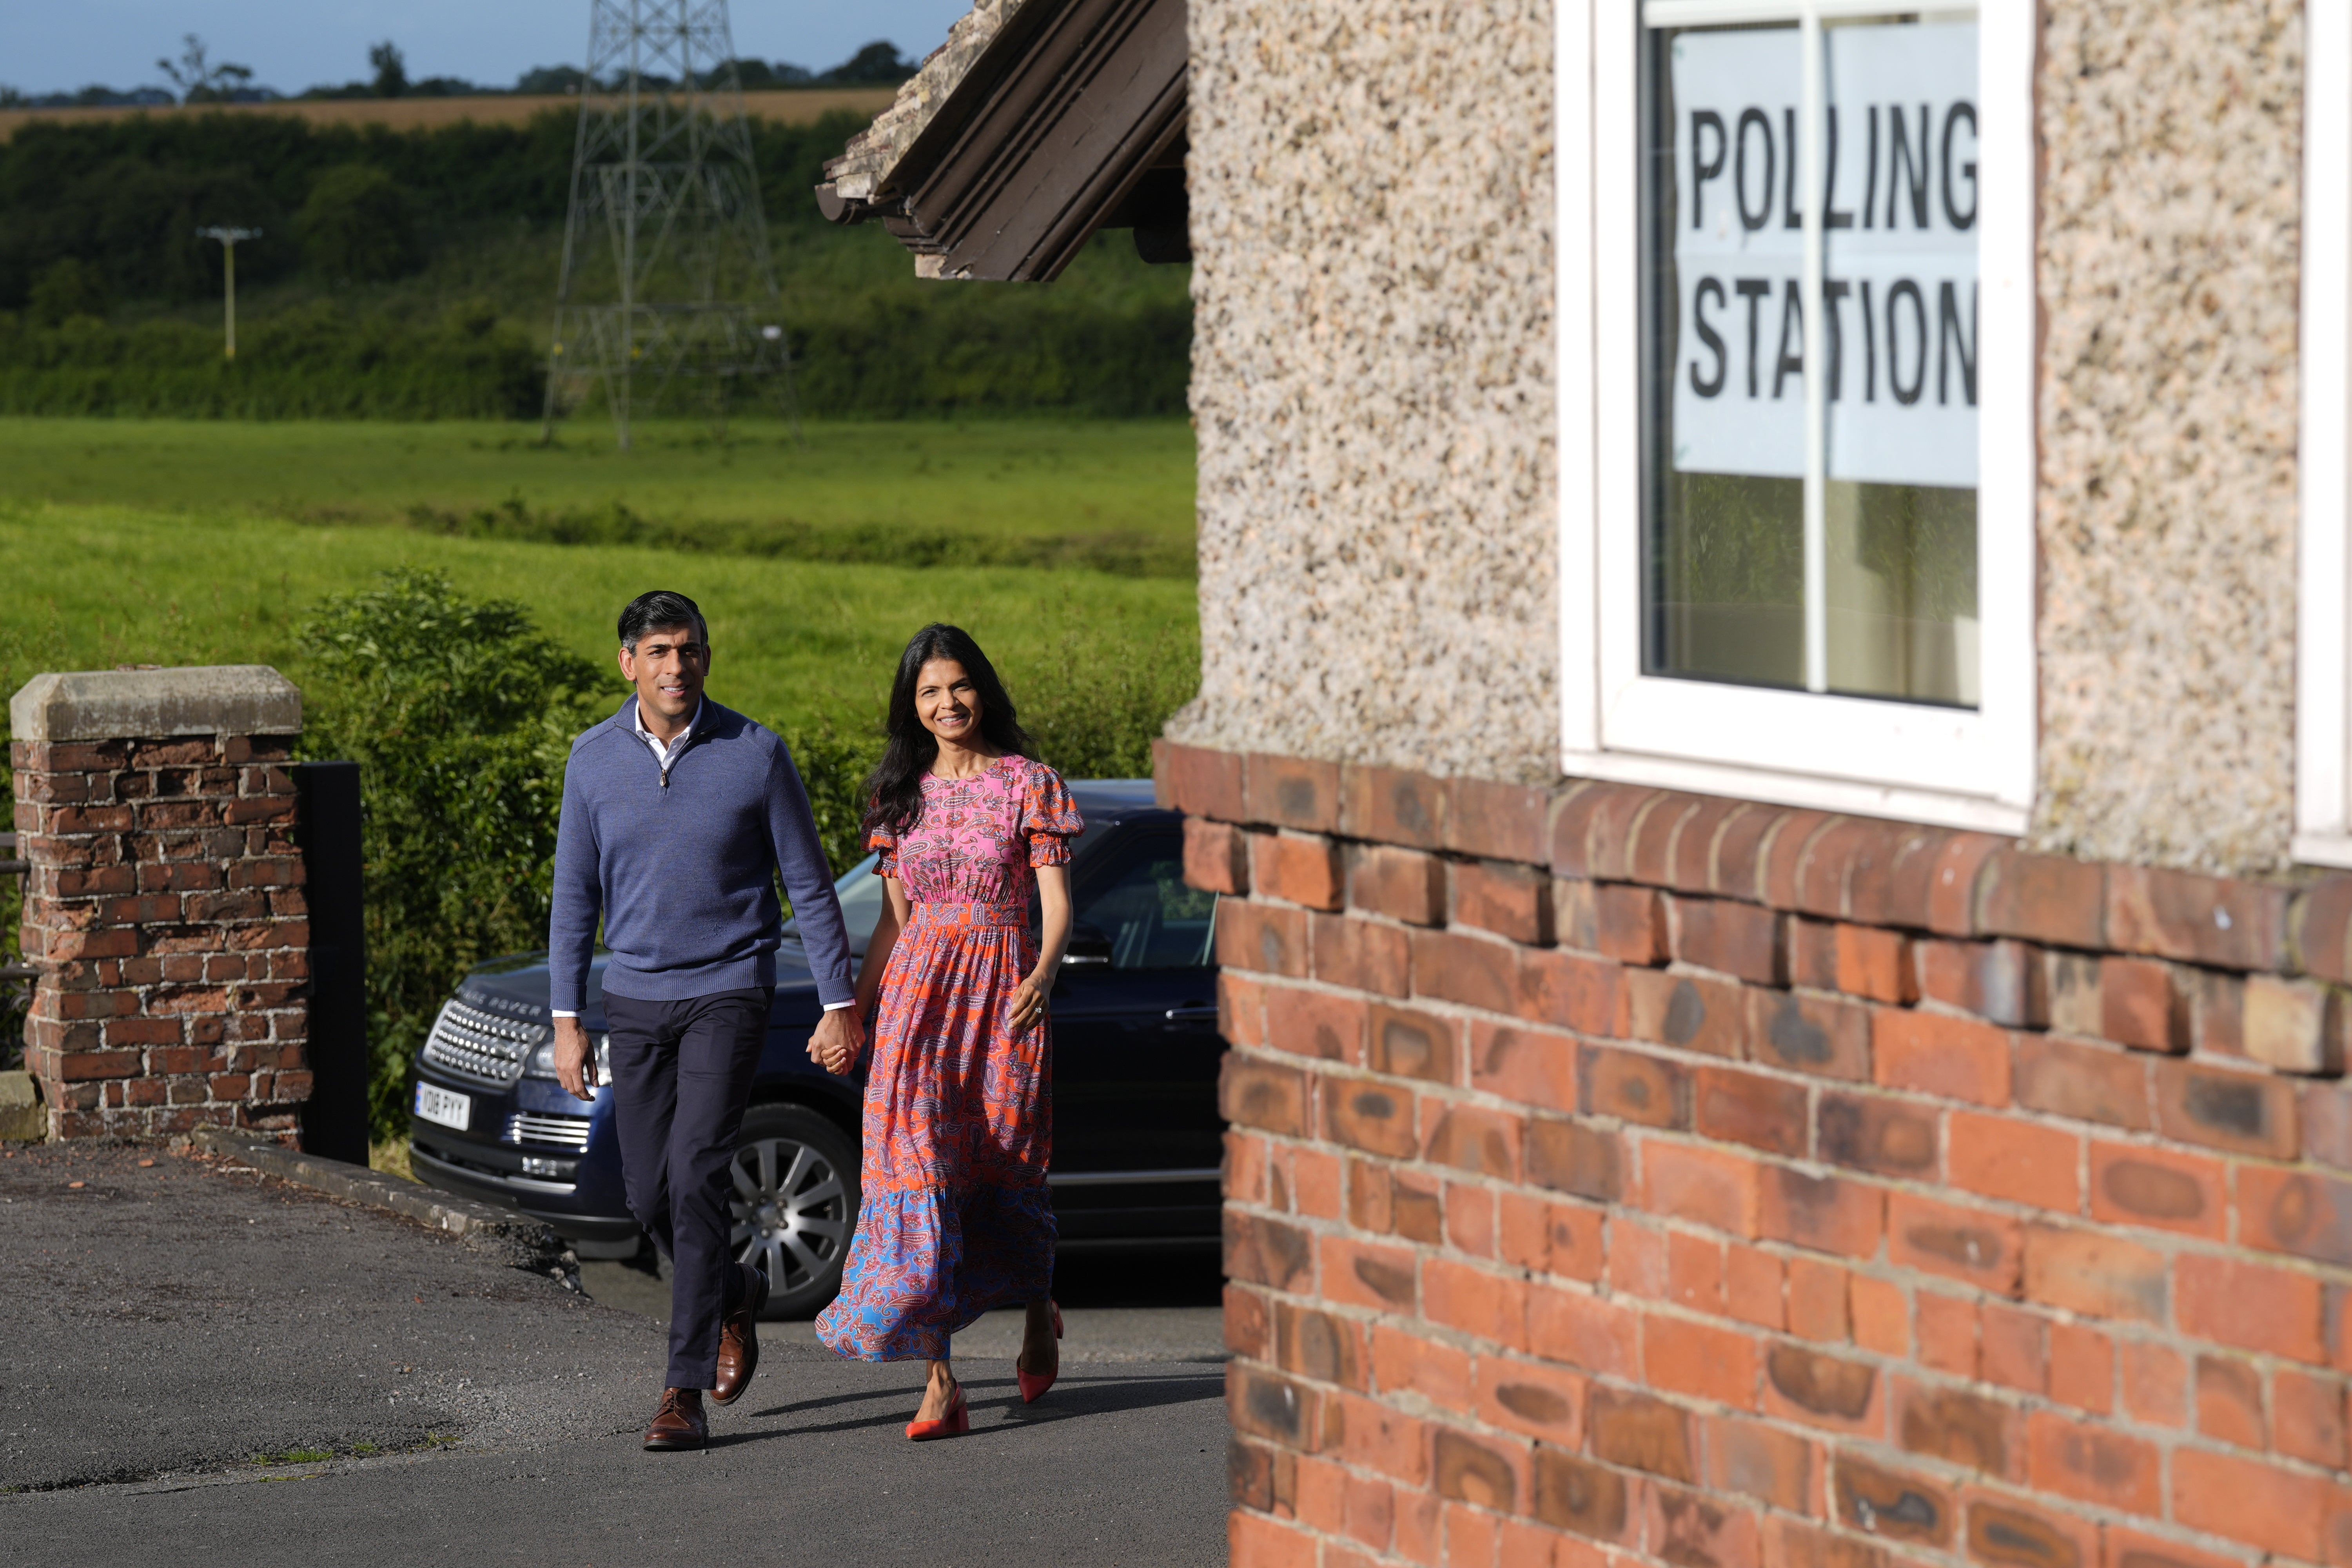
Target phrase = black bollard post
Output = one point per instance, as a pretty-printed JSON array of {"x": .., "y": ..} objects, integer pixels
[{"x": 335, "y": 1117}]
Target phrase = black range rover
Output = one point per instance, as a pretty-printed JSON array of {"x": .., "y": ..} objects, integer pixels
[{"x": 1137, "y": 1139}]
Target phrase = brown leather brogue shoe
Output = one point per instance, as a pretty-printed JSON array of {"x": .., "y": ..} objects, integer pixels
[
  {"x": 739, "y": 1343},
  {"x": 681, "y": 1422}
]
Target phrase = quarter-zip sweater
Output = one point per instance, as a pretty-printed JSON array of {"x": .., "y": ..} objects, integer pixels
[{"x": 679, "y": 861}]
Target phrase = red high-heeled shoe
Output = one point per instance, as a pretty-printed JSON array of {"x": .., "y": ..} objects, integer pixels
[
  {"x": 1034, "y": 1384},
  {"x": 954, "y": 1424}
]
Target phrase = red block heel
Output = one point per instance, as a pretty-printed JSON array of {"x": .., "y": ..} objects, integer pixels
[
  {"x": 1034, "y": 1384},
  {"x": 954, "y": 1424}
]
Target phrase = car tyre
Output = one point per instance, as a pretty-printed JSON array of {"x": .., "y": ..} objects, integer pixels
[{"x": 794, "y": 1205}]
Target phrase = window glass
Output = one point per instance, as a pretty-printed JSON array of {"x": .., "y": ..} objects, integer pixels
[
  {"x": 1844, "y": 561},
  {"x": 1151, "y": 919}
]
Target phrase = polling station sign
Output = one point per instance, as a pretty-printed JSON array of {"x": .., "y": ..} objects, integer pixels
[{"x": 1899, "y": 274}]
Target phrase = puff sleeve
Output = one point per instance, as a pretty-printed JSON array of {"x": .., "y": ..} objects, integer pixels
[
  {"x": 1049, "y": 818},
  {"x": 886, "y": 842}
]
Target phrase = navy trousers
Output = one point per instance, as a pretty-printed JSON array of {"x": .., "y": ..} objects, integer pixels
[{"x": 681, "y": 1075}]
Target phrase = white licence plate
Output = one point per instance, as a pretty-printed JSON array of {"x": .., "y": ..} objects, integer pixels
[{"x": 445, "y": 1107}]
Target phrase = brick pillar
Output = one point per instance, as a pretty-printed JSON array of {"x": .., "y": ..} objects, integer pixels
[{"x": 164, "y": 908}]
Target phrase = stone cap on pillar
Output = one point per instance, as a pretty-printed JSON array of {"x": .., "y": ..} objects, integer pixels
[{"x": 125, "y": 704}]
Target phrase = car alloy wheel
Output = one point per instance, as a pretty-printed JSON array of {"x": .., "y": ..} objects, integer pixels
[{"x": 794, "y": 1205}]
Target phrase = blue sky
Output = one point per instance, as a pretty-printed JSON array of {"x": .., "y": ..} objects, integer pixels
[{"x": 295, "y": 44}]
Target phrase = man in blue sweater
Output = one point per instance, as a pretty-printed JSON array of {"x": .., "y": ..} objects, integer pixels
[{"x": 678, "y": 816}]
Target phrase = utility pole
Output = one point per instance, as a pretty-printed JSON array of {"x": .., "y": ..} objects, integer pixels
[
  {"x": 228, "y": 238},
  {"x": 665, "y": 266}
]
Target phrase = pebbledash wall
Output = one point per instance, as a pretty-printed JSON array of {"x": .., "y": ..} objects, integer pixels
[
  {"x": 1621, "y": 1175},
  {"x": 1373, "y": 383},
  {"x": 1374, "y": 233},
  {"x": 165, "y": 906}
]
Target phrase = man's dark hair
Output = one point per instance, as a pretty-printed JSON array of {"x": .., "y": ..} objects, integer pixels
[{"x": 658, "y": 610}]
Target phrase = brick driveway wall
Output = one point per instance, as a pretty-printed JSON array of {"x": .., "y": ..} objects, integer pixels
[
  {"x": 165, "y": 913},
  {"x": 1617, "y": 1174}
]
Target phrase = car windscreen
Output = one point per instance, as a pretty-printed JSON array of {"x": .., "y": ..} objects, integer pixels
[{"x": 1138, "y": 913}]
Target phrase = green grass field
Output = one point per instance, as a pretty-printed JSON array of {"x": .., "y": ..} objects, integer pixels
[
  {"x": 92, "y": 587},
  {"x": 159, "y": 541},
  {"x": 1027, "y": 489}
]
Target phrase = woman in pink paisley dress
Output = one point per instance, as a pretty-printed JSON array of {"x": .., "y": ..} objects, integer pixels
[{"x": 954, "y": 1217}]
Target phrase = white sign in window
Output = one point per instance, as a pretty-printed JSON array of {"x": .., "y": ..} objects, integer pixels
[
  {"x": 1797, "y": 427},
  {"x": 1899, "y": 289},
  {"x": 1820, "y": 536}
]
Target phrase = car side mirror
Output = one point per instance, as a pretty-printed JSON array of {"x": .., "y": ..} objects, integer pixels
[{"x": 1088, "y": 945}]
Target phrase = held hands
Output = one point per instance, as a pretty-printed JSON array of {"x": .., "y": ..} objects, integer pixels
[
  {"x": 840, "y": 1035},
  {"x": 576, "y": 1064},
  {"x": 1029, "y": 1004},
  {"x": 838, "y": 1039}
]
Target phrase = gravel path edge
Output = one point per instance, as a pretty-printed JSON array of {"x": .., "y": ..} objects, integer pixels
[{"x": 510, "y": 1238}]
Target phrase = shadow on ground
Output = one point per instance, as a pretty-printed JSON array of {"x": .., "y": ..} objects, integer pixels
[
  {"x": 1116, "y": 1306},
  {"x": 182, "y": 1331}
]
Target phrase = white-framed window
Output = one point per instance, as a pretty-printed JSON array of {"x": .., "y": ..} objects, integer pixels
[
  {"x": 1814, "y": 591},
  {"x": 2323, "y": 723}
]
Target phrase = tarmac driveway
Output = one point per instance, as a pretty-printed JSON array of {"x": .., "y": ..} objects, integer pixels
[{"x": 180, "y": 1332}]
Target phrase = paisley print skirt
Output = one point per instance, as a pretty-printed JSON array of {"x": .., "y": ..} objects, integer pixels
[{"x": 954, "y": 1219}]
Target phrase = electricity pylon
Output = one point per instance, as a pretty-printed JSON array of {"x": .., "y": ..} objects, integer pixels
[{"x": 666, "y": 274}]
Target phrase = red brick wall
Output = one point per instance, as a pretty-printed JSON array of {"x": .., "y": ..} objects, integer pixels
[
  {"x": 1620, "y": 1175},
  {"x": 164, "y": 909}
]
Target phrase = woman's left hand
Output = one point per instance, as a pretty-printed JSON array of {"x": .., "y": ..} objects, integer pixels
[{"x": 1029, "y": 1005}]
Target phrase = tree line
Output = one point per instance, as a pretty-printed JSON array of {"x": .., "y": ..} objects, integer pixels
[
  {"x": 102, "y": 274},
  {"x": 195, "y": 77}
]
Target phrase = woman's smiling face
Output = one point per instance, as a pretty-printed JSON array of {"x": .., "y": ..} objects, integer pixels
[{"x": 947, "y": 700}]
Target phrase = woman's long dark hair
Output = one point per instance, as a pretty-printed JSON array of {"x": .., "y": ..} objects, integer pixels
[{"x": 894, "y": 792}]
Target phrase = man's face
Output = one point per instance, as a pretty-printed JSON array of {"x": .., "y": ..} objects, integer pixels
[{"x": 668, "y": 668}]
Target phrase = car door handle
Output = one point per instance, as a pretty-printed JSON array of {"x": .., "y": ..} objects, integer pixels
[{"x": 1193, "y": 1015}]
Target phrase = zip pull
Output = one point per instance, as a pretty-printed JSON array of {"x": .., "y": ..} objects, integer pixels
[{"x": 665, "y": 778}]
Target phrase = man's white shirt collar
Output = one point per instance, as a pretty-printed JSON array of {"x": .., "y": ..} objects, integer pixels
[{"x": 661, "y": 748}]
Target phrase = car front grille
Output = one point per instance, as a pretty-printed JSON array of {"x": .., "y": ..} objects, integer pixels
[
  {"x": 481, "y": 1047},
  {"x": 555, "y": 1131}
]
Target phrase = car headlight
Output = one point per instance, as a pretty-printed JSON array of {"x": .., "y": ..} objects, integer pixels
[{"x": 542, "y": 1060}]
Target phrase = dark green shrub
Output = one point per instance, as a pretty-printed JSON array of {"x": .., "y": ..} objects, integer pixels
[
  {"x": 69, "y": 288},
  {"x": 1098, "y": 704},
  {"x": 136, "y": 222},
  {"x": 312, "y": 362},
  {"x": 832, "y": 763},
  {"x": 484, "y": 205},
  {"x": 359, "y": 224},
  {"x": 459, "y": 713}
]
